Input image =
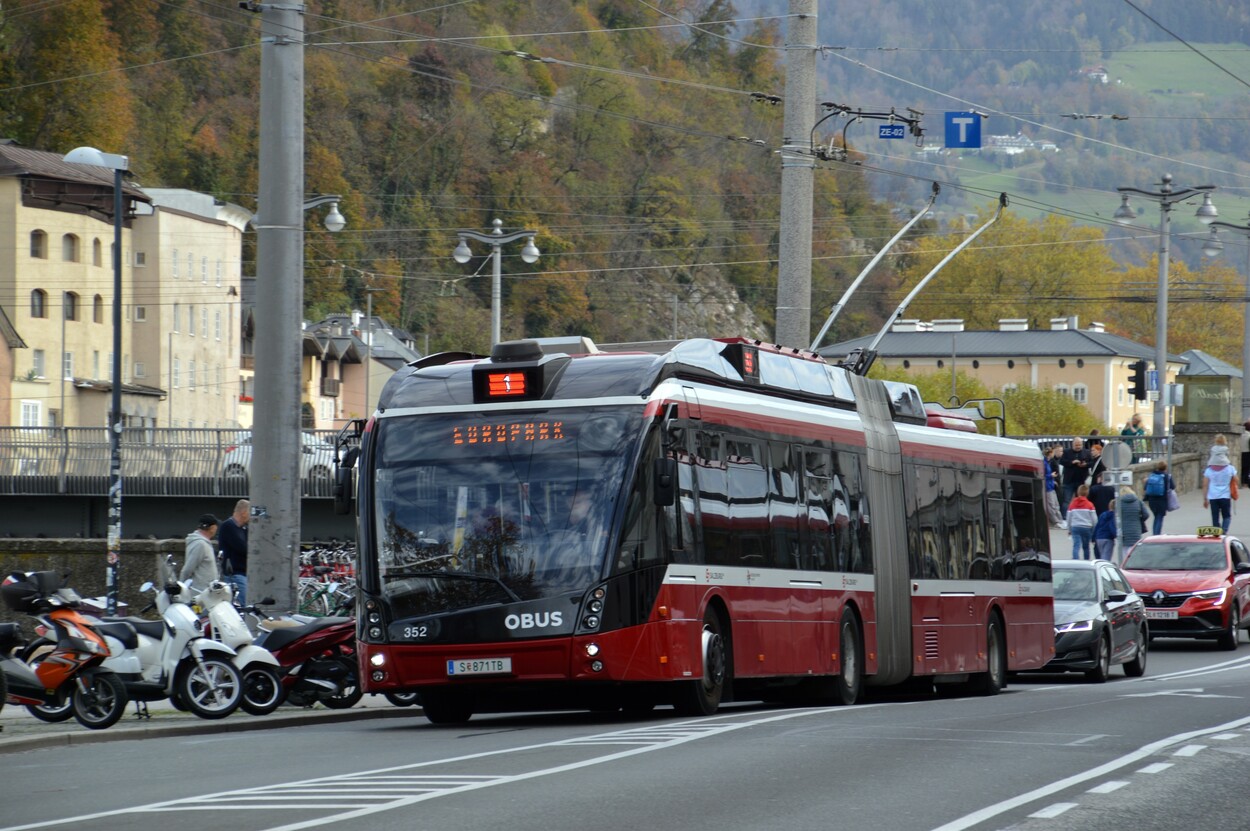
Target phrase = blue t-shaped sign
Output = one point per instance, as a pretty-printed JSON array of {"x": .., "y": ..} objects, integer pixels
[{"x": 963, "y": 130}]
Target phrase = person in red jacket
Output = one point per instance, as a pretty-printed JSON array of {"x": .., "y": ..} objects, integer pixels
[{"x": 1081, "y": 521}]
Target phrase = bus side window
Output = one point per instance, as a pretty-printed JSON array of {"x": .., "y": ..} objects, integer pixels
[{"x": 821, "y": 518}]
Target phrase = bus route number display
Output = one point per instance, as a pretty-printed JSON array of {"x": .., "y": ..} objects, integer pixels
[{"x": 507, "y": 432}]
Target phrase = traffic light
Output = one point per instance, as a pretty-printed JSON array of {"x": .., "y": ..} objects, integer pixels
[{"x": 1137, "y": 385}]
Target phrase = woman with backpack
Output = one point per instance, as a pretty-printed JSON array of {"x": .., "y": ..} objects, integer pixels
[{"x": 1157, "y": 486}]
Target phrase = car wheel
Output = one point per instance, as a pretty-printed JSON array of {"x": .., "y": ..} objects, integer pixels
[
  {"x": 1102, "y": 666},
  {"x": 1230, "y": 636},
  {"x": 1136, "y": 667}
]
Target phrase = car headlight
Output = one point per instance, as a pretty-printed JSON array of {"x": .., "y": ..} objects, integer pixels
[
  {"x": 1074, "y": 626},
  {"x": 1216, "y": 596}
]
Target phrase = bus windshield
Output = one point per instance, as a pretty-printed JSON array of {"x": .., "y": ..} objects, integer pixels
[{"x": 475, "y": 509}]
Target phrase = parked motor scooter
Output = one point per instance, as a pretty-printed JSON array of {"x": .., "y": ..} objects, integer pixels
[
  {"x": 263, "y": 690},
  {"x": 72, "y": 670},
  {"x": 317, "y": 655}
]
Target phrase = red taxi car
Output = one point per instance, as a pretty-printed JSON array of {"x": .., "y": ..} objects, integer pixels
[{"x": 1194, "y": 586}]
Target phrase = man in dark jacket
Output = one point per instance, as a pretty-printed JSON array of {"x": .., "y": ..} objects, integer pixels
[
  {"x": 232, "y": 539},
  {"x": 1076, "y": 463},
  {"x": 1100, "y": 494}
]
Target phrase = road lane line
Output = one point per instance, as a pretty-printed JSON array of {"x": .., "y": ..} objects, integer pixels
[
  {"x": 1157, "y": 767},
  {"x": 1190, "y": 750},
  {"x": 1052, "y": 811},
  {"x": 1108, "y": 787}
]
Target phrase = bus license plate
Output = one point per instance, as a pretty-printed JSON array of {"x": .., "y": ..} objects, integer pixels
[
  {"x": 479, "y": 666},
  {"x": 1161, "y": 614}
]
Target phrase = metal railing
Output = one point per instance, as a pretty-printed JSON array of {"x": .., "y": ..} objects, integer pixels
[
  {"x": 1144, "y": 448},
  {"x": 155, "y": 462}
]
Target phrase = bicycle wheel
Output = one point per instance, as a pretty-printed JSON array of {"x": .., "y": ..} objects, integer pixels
[{"x": 311, "y": 599}]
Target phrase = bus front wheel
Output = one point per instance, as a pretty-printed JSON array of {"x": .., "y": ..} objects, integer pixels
[
  {"x": 702, "y": 696},
  {"x": 994, "y": 679},
  {"x": 850, "y": 676}
]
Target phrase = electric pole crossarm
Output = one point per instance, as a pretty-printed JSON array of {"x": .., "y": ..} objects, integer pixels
[
  {"x": 863, "y": 362},
  {"x": 846, "y": 296}
]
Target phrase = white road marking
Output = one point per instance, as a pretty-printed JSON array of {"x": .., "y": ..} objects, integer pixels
[
  {"x": 1107, "y": 787},
  {"x": 1052, "y": 811},
  {"x": 1226, "y": 737},
  {"x": 1087, "y": 739},
  {"x": 1190, "y": 750},
  {"x": 1157, "y": 767}
]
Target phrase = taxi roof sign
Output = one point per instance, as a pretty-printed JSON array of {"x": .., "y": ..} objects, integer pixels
[{"x": 1210, "y": 531}]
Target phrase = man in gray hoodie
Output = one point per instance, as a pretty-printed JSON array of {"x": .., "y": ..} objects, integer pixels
[{"x": 200, "y": 566}]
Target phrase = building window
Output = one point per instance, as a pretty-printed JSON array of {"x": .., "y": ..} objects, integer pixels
[
  {"x": 95, "y": 363},
  {"x": 141, "y": 259},
  {"x": 1011, "y": 364},
  {"x": 906, "y": 364},
  {"x": 97, "y": 253},
  {"x": 39, "y": 363},
  {"x": 141, "y": 314},
  {"x": 191, "y": 375},
  {"x": 219, "y": 272},
  {"x": 204, "y": 270},
  {"x": 976, "y": 364},
  {"x": 1080, "y": 363},
  {"x": 173, "y": 260},
  {"x": 71, "y": 305},
  {"x": 177, "y": 314},
  {"x": 177, "y": 374},
  {"x": 1080, "y": 393},
  {"x": 1062, "y": 363},
  {"x": 191, "y": 321},
  {"x": 38, "y": 303},
  {"x": 1010, "y": 388},
  {"x": 190, "y": 266},
  {"x": 32, "y": 413},
  {"x": 141, "y": 369},
  {"x": 1062, "y": 389},
  {"x": 217, "y": 386},
  {"x": 67, "y": 366},
  {"x": 204, "y": 321},
  {"x": 109, "y": 373},
  {"x": 1119, "y": 395},
  {"x": 97, "y": 309},
  {"x": 940, "y": 363},
  {"x": 39, "y": 245},
  {"x": 69, "y": 248},
  {"x": 217, "y": 325}
]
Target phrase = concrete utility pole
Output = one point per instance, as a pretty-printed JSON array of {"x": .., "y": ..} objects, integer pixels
[
  {"x": 794, "y": 251},
  {"x": 274, "y": 535}
]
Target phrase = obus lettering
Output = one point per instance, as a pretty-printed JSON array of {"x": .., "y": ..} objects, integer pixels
[{"x": 539, "y": 620}]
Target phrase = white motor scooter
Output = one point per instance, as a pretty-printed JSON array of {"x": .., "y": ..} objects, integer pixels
[
  {"x": 175, "y": 660},
  {"x": 263, "y": 691}
]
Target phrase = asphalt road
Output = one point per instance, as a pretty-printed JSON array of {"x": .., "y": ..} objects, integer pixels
[{"x": 1052, "y": 752}]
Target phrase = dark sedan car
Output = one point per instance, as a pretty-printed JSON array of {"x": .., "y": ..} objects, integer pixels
[{"x": 1099, "y": 620}]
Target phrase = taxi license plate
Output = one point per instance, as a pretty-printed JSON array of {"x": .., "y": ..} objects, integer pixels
[
  {"x": 479, "y": 666},
  {"x": 1161, "y": 614}
]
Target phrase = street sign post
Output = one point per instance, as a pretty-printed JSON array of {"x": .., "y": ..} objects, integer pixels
[{"x": 963, "y": 129}]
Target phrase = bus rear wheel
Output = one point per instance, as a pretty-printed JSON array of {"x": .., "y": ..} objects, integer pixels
[
  {"x": 702, "y": 697},
  {"x": 850, "y": 678},
  {"x": 994, "y": 679}
]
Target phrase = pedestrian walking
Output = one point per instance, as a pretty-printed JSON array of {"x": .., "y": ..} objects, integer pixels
[
  {"x": 1219, "y": 483},
  {"x": 200, "y": 564},
  {"x": 232, "y": 540},
  {"x": 1102, "y": 495},
  {"x": 1081, "y": 522},
  {"x": 1104, "y": 536},
  {"x": 1050, "y": 459},
  {"x": 1158, "y": 484},
  {"x": 1133, "y": 516}
]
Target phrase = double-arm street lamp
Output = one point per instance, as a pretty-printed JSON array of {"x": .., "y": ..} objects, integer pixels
[
  {"x": 1166, "y": 197},
  {"x": 495, "y": 239},
  {"x": 1211, "y": 248},
  {"x": 118, "y": 164}
]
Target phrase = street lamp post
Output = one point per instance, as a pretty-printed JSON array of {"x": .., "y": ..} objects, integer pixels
[
  {"x": 119, "y": 165},
  {"x": 1211, "y": 248},
  {"x": 495, "y": 239},
  {"x": 1166, "y": 197}
]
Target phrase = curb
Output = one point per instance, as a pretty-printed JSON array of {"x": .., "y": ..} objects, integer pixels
[{"x": 200, "y": 727}]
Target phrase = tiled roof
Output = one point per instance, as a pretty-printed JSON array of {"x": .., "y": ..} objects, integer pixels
[{"x": 991, "y": 344}]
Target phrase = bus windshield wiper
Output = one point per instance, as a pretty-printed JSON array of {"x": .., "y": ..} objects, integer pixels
[{"x": 477, "y": 578}]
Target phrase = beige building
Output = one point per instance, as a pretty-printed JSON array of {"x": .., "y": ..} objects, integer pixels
[
  {"x": 1091, "y": 364},
  {"x": 179, "y": 292},
  {"x": 56, "y": 285},
  {"x": 187, "y": 305}
]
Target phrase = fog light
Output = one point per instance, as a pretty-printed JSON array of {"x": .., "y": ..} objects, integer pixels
[
  {"x": 596, "y": 606},
  {"x": 377, "y": 659},
  {"x": 375, "y": 632},
  {"x": 592, "y": 621},
  {"x": 592, "y": 649},
  {"x": 375, "y": 617},
  {"x": 596, "y": 666},
  {"x": 378, "y": 675}
]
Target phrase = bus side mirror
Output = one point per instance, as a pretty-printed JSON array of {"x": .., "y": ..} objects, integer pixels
[
  {"x": 664, "y": 476},
  {"x": 344, "y": 486}
]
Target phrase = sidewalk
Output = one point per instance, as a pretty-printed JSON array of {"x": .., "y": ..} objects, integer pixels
[
  {"x": 1185, "y": 521},
  {"x": 19, "y": 730}
]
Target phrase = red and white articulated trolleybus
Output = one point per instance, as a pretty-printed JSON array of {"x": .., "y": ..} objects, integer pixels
[{"x": 722, "y": 520}]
